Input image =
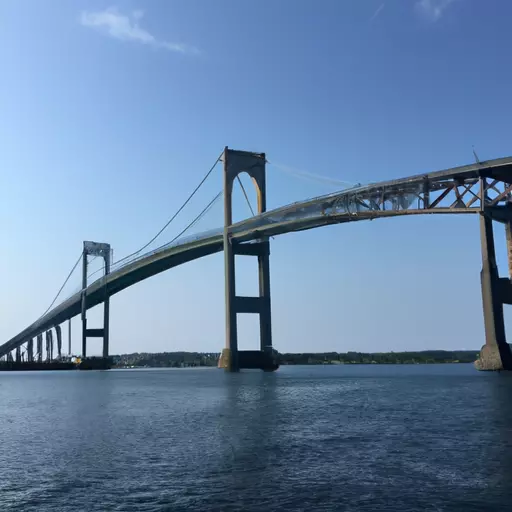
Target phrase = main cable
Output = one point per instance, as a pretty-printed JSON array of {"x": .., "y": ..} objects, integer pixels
[
  {"x": 203, "y": 212},
  {"x": 64, "y": 284},
  {"x": 311, "y": 176},
  {"x": 175, "y": 215},
  {"x": 197, "y": 219}
]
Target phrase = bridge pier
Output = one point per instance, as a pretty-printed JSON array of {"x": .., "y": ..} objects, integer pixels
[
  {"x": 231, "y": 359},
  {"x": 49, "y": 345},
  {"x": 39, "y": 348},
  {"x": 30, "y": 350},
  {"x": 58, "y": 332},
  {"x": 496, "y": 291},
  {"x": 69, "y": 337}
]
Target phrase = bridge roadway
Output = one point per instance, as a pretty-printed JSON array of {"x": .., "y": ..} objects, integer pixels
[{"x": 453, "y": 191}]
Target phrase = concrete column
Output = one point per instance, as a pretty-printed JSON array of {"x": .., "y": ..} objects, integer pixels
[
  {"x": 495, "y": 354},
  {"x": 58, "y": 332},
  {"x": 265, "y": 313},
  {"x": 106, "y": 309},
  {"x": 84, "y": 305},
  {"x": 69, "y": 337},
  {"x": 230, "y": 353},
  {"x": 508, "y": 234},
  {"x": 39, "y": 348},
  {"x": 30, "y": 350},
  {"x": 49, "y": 345}
]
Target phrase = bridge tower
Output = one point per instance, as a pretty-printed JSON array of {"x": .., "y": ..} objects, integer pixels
[
  {"x": 235, "y": 163},
  {"x": 100, "y": 250}
]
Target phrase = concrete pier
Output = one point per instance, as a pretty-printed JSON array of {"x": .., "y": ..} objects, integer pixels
[
  {"x": 495, "y": 354},
  {"x": 249, "y": 359}
]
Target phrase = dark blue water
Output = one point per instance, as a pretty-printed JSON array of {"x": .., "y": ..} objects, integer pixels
[{"x": 394, "y": 438}]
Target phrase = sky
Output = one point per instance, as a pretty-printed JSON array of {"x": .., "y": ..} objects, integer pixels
[{"x": 111, "y": 113}]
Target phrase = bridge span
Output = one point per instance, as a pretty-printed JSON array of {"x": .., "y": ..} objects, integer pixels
[{"x": 483, "y": 188}]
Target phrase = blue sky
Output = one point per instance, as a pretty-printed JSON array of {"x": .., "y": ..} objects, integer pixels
[{"x": 111, "y": 114}]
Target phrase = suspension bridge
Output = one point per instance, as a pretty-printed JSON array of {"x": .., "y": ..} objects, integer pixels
[{"x": 482, "y": 188}]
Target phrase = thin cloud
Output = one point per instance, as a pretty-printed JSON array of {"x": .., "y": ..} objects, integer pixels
[
  {"x": 433, "y": 10},
  {"x": 127, "y": 28},
  {"x": 377, "y": 12}
]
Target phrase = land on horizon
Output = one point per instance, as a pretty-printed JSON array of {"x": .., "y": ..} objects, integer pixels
[{"x": 198, "y": 359}]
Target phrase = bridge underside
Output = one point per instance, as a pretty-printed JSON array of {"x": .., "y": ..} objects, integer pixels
[{"x": 484, "y": 188}]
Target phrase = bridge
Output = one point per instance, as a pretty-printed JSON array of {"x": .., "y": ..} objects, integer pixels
[{"x": 483, "y": 188}]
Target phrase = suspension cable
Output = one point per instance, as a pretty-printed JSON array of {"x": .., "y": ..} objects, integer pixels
[
  {"x": 195, "y": 221},
  {"x": 64, "y": 284},
  {"x": 310, "y": 175},
  {"x": 247, "y": 199},
  {"x": 176, "y": 214},
  {"x": 245, "y": 194}
]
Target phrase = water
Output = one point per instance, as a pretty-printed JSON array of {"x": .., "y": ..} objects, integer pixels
[{"x": 394, "y": 438}]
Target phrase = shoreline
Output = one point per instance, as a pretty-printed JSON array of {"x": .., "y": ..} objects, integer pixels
[{"x": 205, "y": 360}]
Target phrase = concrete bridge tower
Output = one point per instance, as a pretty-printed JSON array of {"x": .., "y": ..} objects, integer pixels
[
  {"x": 100, "y": 250},
  {"x": 232, "y": 359}
]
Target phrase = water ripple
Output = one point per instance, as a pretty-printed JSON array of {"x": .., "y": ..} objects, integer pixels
[{"x": 434, "y": 438}]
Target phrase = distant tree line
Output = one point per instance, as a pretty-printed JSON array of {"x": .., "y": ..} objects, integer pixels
[
  {"x": 166, "y": 360},
  {"x": 195, "y": 359},
  {"x": 423, "y": 357}
]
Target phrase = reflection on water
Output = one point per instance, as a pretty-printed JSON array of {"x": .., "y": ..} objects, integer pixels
[{"x": 397, "y": 438}]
